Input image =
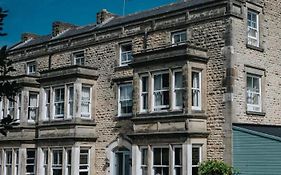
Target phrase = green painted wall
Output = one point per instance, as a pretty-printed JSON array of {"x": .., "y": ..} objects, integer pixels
[{"x": 254, "y": 154}]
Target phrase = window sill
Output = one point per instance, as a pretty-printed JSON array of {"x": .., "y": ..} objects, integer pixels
[
  {"x": 249, "y": 46},
  {"x": 255, "y": 113},
  {"x": 124, "y": 117},
  {"x": 120, "y": 68}
]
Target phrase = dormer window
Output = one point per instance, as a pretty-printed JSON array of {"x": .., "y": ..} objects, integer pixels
[
  {"x": 179, "y": 37},
  {"x": 79, "y": 58},
  {"x": 31, "y": 67},
  {"x": 125, "y": 54}
]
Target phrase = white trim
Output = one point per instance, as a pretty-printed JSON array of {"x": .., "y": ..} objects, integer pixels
[
  {"x": 199, "y": 89},
  {"x": 252, "y": 12},
  {"x": 128, "y": 54},
  {"x": 141, "y": 93},
  {"x": 174, "y": 89},
  {"x": 180, "y": 34},
  {"x": 119, "y": 99},
  {"x": 252, "y": 107},
  {"x": 75, "y": 57},
  {"x": 32, "y": 65},
  {"x": 87, "y": 115},
  {"x": 154, "y": 108}
]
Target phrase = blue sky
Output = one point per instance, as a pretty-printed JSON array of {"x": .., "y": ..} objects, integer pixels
[{"x": 36, "y": 16}]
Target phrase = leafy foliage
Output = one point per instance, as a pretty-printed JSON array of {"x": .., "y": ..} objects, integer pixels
[
  {"x": 8, "y": 88},
  {"x": 215, "y": 167}
]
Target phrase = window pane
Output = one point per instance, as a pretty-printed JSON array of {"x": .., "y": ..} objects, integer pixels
[
  {"x": 195, "y": 156},
  {"x": 157, "y": 156},
  {"x": 144, "y": 84},
  {"x": 178, "y": 79},
  {"x": 165, "y": 156},
  {"x": 157, "y": 82},
  {"x": 178, "y": 156},
  {"x": 126, "y": 99},
  {"x": 144, "y": 156},
  {"x": 165, "y": 80}
]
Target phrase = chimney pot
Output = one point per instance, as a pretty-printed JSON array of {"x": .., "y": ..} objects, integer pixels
[
  {"x": 28, "y": 36},
  {"x": 58, "y": 27},
  {"x": 104, "y": 15}
]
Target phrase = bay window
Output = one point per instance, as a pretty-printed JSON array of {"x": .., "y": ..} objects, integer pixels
[
  {"x": 63, "y": 101},
  {"x": 165, "y": 160},
  {"x": 125, "y": 96}
]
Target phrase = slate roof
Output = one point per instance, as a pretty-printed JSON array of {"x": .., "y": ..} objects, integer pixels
[
  {"x": 266, "y": 129},
  {"x": 113, "y": 22}
]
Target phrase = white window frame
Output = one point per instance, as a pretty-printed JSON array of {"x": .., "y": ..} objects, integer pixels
[
  {"x": 67, "y": 163},
  {"x": 45, "y": 162},
  {"x": 76, "y": 57},
  {"x": 1, "y": 108},
  {"x": 31, "y": 67},
  {"x": 11, "y": 106},
  {"x": 180, "y": 34},
  {"x": 47, "y": 103},
  {"x": 119, "y": 99},
  {"x": 252, "y": 12},
  {"x": 70, "y": 101},
  {"x": 198, "y": 89},
  {"x": 33, "y": 107},
  {"x": 143, "y": 166},
  {"x": 88, "y": 161},
  {"x": 167, "y": 89},
  {"x": 200, "y": 155},
  {"x": 58, "y": 165},
  {"x": 19, "y": 106},
  {"x": 61, "y": 101},
  {"x": 31, "y": 164},
  {"x": 252, "y": 107},
  {"x": 174, "y": 89},
  {"x": 14, "y": 164},
  {"x": 128, "y": 54},
  {"x": 142, "y": 93},
  {"x": 174, "y": 159},
  {"x": 161, "y": 166},
  {"x": 86, "y": 115}
]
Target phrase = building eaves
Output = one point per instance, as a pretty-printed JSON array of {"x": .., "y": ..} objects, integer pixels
[
  {"x": 265, "y": 129},
  {"x": 118, "y": 20}
]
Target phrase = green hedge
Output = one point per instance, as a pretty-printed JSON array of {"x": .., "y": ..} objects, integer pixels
[{"x": 215, "y": 167}]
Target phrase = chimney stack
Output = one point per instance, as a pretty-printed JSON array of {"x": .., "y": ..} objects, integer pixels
[
  {"x": 59, "y": 27},
  {"x": 28, "y": 36},
  {"x": 103, "y": 15}
]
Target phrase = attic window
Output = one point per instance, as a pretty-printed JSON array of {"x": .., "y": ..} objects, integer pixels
[
  {"x": 79, "y": 58},
  {"x": 179, "y": 37},
  {"x": 31, "y": 67}
]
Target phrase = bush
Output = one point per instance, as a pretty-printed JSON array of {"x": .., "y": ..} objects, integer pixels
[{"x": 215, "y": 167}]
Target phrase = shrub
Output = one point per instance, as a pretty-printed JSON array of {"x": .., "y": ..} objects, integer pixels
[{"x": 215, "y": 167}]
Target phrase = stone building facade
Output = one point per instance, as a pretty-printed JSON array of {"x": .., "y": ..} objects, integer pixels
[{"x": 155, "y": 92}]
